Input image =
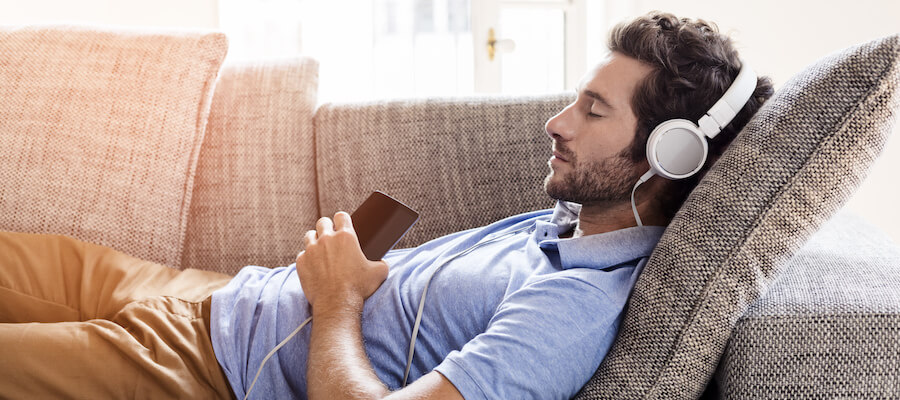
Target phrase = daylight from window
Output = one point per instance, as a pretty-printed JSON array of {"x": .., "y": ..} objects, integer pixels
[{"x": 378, "y": 49}]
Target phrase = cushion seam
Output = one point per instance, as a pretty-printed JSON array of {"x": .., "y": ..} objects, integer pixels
[{"x": 204, "y": 107}]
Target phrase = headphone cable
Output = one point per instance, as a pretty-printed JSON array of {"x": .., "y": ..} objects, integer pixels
[{"x": 647, "y": 175}]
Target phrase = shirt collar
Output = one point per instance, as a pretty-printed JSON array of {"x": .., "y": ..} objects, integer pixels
[
  {"x": 602, "y": 250},
  {"x": 565, "y": 215}
]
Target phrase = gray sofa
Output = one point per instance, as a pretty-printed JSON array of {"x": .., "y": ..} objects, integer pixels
[
  {"x": 828, "y": 327},
  {"x": 790, "y": 330},
  {"x": 760, "y": 288}
]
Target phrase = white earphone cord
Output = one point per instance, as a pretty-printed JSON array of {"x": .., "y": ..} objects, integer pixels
[
  {"x": 633, "y": 208},
  {"x": 415, "y": 332},
  {"x": 643, "y": 179},
  {"x": 419, "y": 312},
  {"x": 272, "y": 353}
]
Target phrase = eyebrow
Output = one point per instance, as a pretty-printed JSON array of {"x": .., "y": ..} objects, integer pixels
[{"x": 597, "y": 96}]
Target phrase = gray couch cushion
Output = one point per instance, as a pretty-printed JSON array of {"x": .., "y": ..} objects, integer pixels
[
  {"x": 794, "y": 164},
  {"x": 461, "y": 163},
  {"x": 829, "y": 327}
]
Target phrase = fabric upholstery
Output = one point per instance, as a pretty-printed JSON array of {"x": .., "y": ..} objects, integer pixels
[
  {"x": 793, "y": 165},
  {"x": 829, "y": 326},
  {"x": 461, "y": 163},
  {"x": 100, "y": 131},
  {"x": 255, "y": 192}
]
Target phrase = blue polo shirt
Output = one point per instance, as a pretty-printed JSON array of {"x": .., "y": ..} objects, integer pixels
[{"x": 529, "y": 315}]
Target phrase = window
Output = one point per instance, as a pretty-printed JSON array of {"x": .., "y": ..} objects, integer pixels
[{"x": 376, "y": 49}]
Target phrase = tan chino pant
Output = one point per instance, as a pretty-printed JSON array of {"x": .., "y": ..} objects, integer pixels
[{"x": 78, "y": 320}]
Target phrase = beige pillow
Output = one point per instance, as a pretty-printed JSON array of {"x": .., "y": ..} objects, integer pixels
[
  {"x": 255, "y": 192},
  {"x": 100, "y": 132}
]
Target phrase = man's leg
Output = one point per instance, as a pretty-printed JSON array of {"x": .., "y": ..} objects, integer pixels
[
  {"x": 157, "y": 348},
  {"x": 136, "y": 327},
  {"x": 54, "y": 278}
]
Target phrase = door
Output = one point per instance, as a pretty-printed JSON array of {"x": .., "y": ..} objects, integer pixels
[{"x": 528, "y": 46}]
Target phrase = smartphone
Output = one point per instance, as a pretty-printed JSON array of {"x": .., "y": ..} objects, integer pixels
[{"x": 380, "y": 222}]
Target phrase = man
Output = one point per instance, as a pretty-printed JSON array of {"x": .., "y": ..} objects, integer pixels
[{"x": 526, "y": 307}]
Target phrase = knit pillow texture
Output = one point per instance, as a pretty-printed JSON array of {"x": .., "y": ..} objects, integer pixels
[
  {"x": 100, "y": 131},
  {"x": 449, "y": 159},
  {"x": 794, "y": 164},
  {"x": 255, "y": 191}
]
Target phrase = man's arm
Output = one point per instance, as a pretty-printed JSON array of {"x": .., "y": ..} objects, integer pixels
[{"x": 336, "y": 279}]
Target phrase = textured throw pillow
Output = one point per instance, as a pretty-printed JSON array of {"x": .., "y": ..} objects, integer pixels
[
  {"x": 794, "y": 164},
  {"x": 100, "y": 131},
  {"x": 255, "y": 191}
]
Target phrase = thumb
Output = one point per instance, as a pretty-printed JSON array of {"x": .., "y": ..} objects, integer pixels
[
  {"x": 377, "y": 274},
  {"x": 381, "y": 268}
]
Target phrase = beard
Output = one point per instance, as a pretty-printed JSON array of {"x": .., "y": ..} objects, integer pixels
[{"x": 608, "y": 180}]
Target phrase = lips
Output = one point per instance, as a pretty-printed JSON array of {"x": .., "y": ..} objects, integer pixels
[{"x": 560, "y": 156}]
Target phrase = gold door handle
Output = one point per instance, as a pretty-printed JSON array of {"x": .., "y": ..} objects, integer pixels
[
  {"x": 492, "y": 42},
  {"x": 493, "y": 45}
]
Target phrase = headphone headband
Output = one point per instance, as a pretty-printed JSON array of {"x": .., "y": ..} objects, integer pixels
[
  {"x": 721, "y": 113},
  {"x": 677, "y": 148}
]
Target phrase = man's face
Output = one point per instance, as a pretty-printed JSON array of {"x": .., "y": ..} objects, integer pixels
[{"x": 590, "y": 136}]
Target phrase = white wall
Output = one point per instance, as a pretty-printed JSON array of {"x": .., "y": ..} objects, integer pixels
[
  {"x": 142, "y": 13},
  {"x": 780, "y": 37}
]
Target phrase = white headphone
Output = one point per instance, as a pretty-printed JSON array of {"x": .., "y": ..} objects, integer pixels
[{"x": 677, "y": 148}]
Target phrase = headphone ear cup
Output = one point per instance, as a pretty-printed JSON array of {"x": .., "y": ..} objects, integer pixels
[{"x": 676, "y": 149}]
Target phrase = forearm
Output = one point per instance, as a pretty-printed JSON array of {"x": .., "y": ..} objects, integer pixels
[{"x": 337, "y": 366}]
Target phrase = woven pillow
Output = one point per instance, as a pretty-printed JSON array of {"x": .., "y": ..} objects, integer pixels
[
  {"x": 255, "y": 191},
  {"x": 794, "y": 164},
  {"x": 100, "y": 131}
]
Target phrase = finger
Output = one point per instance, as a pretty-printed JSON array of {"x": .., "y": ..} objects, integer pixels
[
  {"x": 324, "y": 226},
  {"x": 309, "y": 238},
  {"x": 342, "y": 221}
]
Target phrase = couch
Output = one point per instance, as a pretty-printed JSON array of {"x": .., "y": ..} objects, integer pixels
[{"x": 762, "y": 287}]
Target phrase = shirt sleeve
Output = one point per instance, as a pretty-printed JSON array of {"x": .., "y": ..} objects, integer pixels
[{"x": 545, "y": 341}]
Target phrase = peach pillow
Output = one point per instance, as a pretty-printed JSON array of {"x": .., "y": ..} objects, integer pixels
[
  {"x": 100, "y": 132},
  {"x": 255, "y": 191}
]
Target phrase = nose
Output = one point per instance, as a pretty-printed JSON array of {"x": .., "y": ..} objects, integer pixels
[{"x": 559, "y": 127}]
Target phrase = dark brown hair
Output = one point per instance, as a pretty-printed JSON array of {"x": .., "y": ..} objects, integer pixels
[{"x": 693, "y": 65}]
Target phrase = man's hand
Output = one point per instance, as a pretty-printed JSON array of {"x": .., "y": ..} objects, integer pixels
[
  {"x": 334, "y": 273},
  {"x": 336, "y": 278}
]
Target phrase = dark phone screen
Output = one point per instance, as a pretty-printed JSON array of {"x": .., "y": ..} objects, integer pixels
[{"x": 380, "y": 222}]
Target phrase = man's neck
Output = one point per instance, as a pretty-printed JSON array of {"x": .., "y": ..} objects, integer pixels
[
  {"x": 607, "y": 217},
  {"x": 574, "y": 232}
]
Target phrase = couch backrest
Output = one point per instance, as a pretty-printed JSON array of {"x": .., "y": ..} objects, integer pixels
[
  {"x": 271, "y": 163},
  {"x": 461, "y": 163},
  {"x": 254, "y": 191}
]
